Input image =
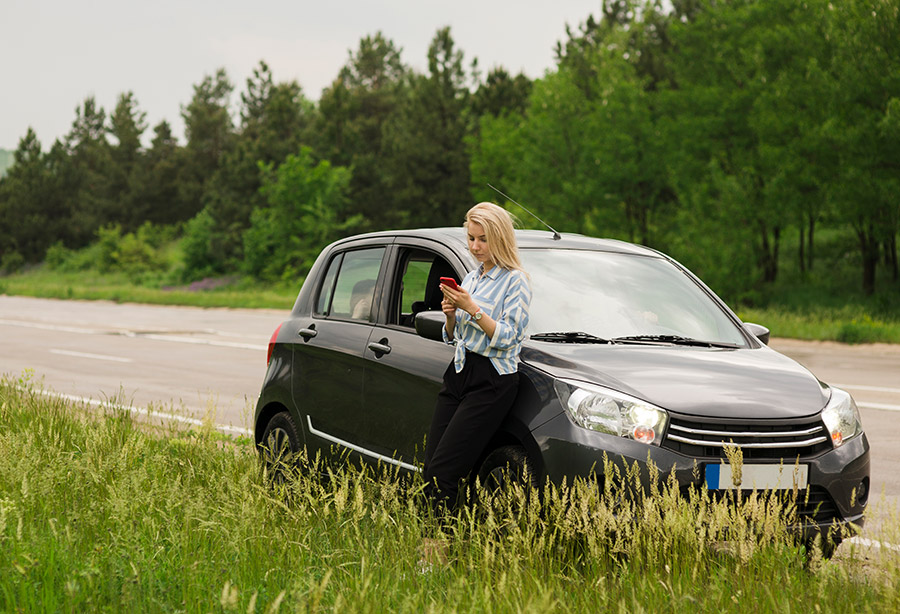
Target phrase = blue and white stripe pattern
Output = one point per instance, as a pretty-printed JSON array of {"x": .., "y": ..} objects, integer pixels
[{"x": 505, "y": 296}]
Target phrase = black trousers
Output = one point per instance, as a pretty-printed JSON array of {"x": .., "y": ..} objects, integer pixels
[{"x": 470, "y": 408}]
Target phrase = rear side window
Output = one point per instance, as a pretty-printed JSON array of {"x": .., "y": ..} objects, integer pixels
[
  {"x": 326, "y": 291},
  {"x": 348, "y": 289}
]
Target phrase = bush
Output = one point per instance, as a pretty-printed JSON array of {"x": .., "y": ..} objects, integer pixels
[
  {"x": 197, "y": 246},
  {"x": 862, "y": 330},
  {"x": 11, "y": 262}
]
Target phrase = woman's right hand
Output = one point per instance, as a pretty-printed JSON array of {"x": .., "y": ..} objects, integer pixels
[{"x": 448, "y": 308}]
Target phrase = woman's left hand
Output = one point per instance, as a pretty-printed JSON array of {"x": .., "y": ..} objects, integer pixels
[{"x": 459, "y": 298}]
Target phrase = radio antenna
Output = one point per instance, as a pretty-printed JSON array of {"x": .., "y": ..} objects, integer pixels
[{"x": 556, "y": 236}]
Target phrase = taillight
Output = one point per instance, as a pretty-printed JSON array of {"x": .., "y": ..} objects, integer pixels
[{"x": 272, "y": 344}]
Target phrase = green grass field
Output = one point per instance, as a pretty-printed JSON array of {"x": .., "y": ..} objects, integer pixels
[{"x": 101, "y": 512}]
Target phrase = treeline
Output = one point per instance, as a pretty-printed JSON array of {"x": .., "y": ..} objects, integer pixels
[{"x": 711, "y": 130}]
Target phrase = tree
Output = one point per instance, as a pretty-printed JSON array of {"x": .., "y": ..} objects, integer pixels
[
  {"x": 209, "y": 134},
  {"x": 500, "y": 93},
  {"x": 427, "y": 156},
  {"x": 305, "y": 208},
  {"x": 90, "y": 189},
  {"x": 33, "y": 213},
  {"x": 127, "y": 126},
  {"x": 154, "y": 183},
  {"x": 274, "y": 122},
  {"x": 354, "y": 113},
  {"x": 864, "y": 79}
]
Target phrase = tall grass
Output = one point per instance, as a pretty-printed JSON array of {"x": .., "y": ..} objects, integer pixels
[{"x": 99, "y": 512}]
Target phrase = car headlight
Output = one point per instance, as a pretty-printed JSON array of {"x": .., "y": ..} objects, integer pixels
[
  {"x": 841, "y": 416},
  {"x": 607, "y": 411}
]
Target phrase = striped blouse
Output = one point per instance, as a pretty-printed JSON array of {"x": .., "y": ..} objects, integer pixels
[{"x": 505, "y": 296}]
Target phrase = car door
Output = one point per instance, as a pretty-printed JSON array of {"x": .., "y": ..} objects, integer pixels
[
  {"x": 403, "y": 370},
  {"x": 329, "y": 361}
]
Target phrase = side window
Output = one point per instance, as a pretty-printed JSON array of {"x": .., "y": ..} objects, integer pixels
[
  {"x": 354, "y": 290},
  {"x": 326, "y": 291},
  {"x": 418, "y": 288}
]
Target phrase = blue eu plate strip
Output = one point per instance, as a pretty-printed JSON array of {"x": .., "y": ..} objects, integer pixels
[{"x": 712, "y": 476}]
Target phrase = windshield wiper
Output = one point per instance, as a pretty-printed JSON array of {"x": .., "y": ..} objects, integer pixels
[
  {"x": 673, "y": 339},
  {"x": 569, "y": 337}
]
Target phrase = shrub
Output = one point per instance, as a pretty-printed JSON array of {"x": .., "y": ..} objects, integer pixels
[
  {"x": 11, "y": 262},
  {"x": 862, "y": 330}
]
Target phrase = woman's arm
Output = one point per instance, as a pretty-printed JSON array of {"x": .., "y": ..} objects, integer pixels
[
  {"x": 509, "y": 330},
  {"x": 450, "y": 314}
]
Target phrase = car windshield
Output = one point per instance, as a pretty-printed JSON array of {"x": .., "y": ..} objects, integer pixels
[{"x": 613, "y": 295}]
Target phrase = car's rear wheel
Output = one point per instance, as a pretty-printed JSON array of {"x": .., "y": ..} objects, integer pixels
[{"x": 280, "y": 447}]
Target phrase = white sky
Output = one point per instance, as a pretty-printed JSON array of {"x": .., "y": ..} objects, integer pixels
[{"x": 54, "y": 53}]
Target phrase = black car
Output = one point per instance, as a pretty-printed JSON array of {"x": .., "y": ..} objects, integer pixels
[{"x": 628, "y": 353}]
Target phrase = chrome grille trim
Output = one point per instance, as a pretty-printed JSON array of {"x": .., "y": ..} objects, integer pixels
[
  {"x": 685, "y": 429},
  {"x": 722, "y": 444}
]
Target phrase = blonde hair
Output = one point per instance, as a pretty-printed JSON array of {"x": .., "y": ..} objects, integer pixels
[{"x": 499, "y": 232}]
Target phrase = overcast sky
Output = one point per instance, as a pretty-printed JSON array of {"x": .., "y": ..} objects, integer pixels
[{"x": 54, "y": 53}]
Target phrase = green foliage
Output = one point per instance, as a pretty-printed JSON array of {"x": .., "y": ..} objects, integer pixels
[
  {"x": 304, "y": 211},
  {"x": 355, "y": 114},
  {"x": 722, "y": 133},
  {"x": 198, "y": 245},
  {"x": 11, "y": 262},
  {"x": 134, "y": 253}
]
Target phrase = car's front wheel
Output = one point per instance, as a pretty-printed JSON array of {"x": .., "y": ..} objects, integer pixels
[
  {"x": 506, "y": 474},
  {"x": 279, "y": 447}
]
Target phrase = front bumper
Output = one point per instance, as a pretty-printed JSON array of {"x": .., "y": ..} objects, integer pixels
[{"x": 838, "y": 479}]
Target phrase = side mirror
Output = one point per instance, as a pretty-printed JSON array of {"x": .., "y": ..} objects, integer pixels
[
  {"x": 429, "y": 324},
  {"x": 758, "y": 330}
]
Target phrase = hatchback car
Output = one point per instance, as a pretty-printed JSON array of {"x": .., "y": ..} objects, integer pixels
[{"x": 628, "y": 354}]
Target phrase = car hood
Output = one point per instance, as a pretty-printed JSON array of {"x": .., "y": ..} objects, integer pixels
[{"x": 749, "y": 383}]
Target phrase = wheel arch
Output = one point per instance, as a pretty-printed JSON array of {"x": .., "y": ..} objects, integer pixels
[
  {"x": 266, "y": 413},
  {"x": 514, "y": 433}
]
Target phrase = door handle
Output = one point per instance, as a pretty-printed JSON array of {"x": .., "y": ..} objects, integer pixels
[
  {"x": 381, "y": 347},
  {"x": 308, "y": 333}
]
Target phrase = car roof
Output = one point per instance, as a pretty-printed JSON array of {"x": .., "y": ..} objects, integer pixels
[{"x": 526, "y": 239}]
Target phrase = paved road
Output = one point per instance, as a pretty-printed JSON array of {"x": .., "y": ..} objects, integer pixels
[
  {"x": 205, "y": 362},
  {"x": 211, "y": 362}
]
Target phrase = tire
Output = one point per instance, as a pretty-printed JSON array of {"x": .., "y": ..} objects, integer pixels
[
  {"x": 502, "y": 471},
  {"x": 280, "y": 448}
]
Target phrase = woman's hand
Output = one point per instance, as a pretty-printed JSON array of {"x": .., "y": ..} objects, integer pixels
[
  {"x": 458, "y": 298},
  {"x": 448, "y": 308}
]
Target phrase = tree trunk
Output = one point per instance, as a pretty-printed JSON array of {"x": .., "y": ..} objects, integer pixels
[
  {"x": 892, "y": 256},
  {"x": 809, "y": 243},
  {"x": 868, "y": 245},
  {"x": 768, "y": 258},
  {"x": 802, "y": 254}
]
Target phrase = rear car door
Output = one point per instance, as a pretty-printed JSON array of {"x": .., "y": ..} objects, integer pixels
[
  {"x": 403, "y": 370},
  {"x": 329, "y": 362}
]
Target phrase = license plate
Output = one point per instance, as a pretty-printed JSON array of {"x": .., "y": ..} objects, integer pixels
[{"x": 759, "y": 477}]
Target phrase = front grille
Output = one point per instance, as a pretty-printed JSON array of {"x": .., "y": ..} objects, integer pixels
[{"x": 759, "y": 439}]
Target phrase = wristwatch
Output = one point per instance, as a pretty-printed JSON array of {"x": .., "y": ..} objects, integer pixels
[{"x": 478, "y": 313}]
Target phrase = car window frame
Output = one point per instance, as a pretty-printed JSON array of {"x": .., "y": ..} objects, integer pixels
[
  {"x": 393, "y": 275},
  {"x": 341, "y": 252}
]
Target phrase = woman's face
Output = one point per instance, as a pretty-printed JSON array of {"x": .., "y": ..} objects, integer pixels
[{"x": 478, "y": 245}]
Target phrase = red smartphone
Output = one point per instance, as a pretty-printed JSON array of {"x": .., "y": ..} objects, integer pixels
[{"x": 449, "y": 281}]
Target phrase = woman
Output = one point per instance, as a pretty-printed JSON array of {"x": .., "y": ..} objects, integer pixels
[{"x": 486, "y": 319}]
